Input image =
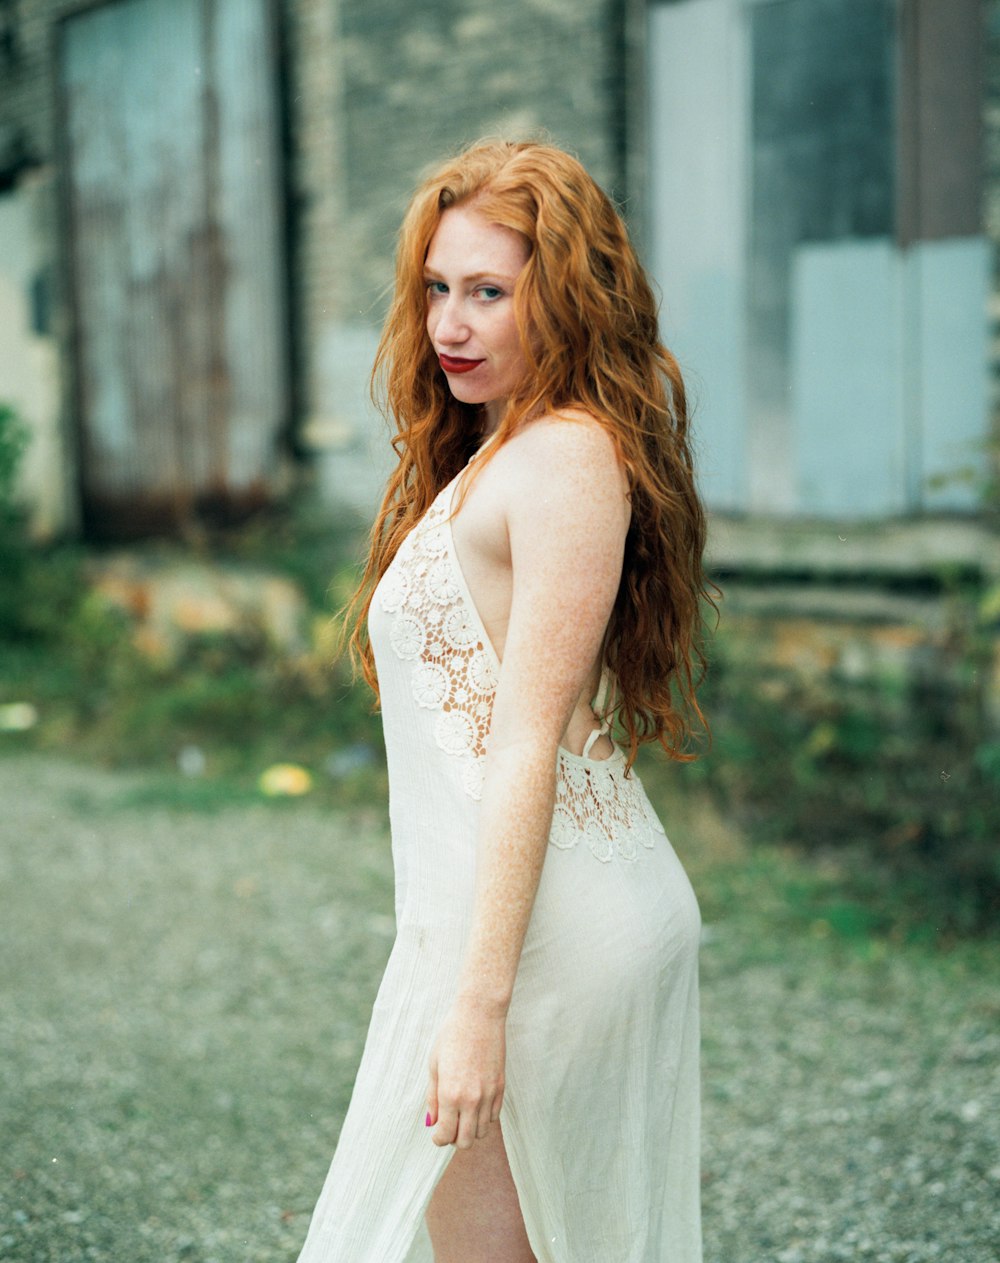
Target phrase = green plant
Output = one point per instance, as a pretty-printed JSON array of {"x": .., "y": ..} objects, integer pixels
[
  {"x": 13, "y": 538},
  {"x": 907, "y": 778}
]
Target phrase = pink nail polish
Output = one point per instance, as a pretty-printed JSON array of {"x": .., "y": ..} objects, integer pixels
[{"x": 428, "y": 1122}]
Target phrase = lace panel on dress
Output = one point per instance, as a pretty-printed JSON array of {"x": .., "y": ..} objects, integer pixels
[
  {"x": 598, "y": 803},
  {"x": 433, "y": 627},
  {"x": 436, "y": 628}
]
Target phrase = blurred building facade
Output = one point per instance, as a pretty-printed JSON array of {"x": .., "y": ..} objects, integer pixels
[
  {"x": 198, "y": 200},
  {"x": 825, "y": 260},
  {"x": 142, "y": 269}
]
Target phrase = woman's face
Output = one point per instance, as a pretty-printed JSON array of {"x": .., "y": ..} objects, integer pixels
[{"x": 470, "y": 272}]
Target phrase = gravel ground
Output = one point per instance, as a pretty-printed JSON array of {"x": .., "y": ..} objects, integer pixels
[{"x": 184, "y": 997}]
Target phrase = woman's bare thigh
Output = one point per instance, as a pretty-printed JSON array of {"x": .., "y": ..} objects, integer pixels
[{"x": 474, "y": 1215}]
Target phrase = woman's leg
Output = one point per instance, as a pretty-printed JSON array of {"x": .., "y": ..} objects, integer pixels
[{"x": 474, "y": 1216}]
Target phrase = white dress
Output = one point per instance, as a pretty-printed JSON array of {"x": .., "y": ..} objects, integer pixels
[{"x": 601, "y": 1109}]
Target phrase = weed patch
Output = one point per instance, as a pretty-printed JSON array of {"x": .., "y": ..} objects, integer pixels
[{"x": 899, "y": 791}]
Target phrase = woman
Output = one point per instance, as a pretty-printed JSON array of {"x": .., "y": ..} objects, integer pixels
[{"x": 535, "y": 571}]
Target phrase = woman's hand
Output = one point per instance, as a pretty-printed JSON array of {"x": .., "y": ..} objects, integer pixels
[{"x": 466, "y": 1075}]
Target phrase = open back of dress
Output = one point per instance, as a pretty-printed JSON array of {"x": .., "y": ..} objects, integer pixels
[{"x": 601, "y": 1109}]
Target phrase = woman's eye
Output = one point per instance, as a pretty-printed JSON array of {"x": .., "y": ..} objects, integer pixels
[
  {"x": 437, "y": 287},
  {"x": 489, "y": 292}
]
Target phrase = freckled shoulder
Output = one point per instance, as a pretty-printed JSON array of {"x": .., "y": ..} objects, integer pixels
[{"x": 570, "y": 448}]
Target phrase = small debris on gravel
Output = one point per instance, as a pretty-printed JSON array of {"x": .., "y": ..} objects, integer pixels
[{"x": 185, "y": 996}]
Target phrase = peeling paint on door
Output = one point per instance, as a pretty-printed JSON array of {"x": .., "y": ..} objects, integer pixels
[{"x": 169, "y": 112}]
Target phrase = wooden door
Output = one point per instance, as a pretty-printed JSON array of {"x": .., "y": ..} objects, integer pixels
[{"x": 171, "y": 144}]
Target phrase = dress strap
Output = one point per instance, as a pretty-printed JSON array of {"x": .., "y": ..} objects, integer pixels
[
  {"x": 604, "y": 698},
  {"x": 601, "y": 706}
]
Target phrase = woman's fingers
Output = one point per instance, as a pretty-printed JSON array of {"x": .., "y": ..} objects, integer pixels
[
  {"x": 446, "y": 1129},
  {"x": 457, "y": 1123},
  {"x": 489, "y": 1114},
  {"x": 466, "y": 1137},
  {"x": 462, "y": 1125},
  {"x": 494, "y": 1114},
  {"x": 442, "y": 1116}
]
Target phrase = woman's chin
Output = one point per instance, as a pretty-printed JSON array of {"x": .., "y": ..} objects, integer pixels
[{"x": 467, "y": 394}]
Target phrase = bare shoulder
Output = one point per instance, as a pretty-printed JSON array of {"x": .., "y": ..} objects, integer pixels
[{"x": 568, "y": 451}]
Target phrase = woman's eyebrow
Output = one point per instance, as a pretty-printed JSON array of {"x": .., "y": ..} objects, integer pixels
[{"x": 473, "y": 276}]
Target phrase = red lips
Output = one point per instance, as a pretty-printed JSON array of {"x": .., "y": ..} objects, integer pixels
[{"x": 451, "y": 364}]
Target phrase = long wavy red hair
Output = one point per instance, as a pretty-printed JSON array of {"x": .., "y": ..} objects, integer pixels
[{"x": 588, "y": 323}]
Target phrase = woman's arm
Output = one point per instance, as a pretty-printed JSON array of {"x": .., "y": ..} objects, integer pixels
[{"x": 567, "y": 515}]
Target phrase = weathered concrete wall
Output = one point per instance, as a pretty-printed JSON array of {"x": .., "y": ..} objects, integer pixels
[
  {"x": 424, "y": 78},
  {"x": 375, "y": 91},
  {"x": 381, "y": 90},
  {"x": 29, "y": 354}
]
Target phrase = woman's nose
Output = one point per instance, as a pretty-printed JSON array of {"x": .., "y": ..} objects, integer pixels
[{"x": 451, "y": 326}]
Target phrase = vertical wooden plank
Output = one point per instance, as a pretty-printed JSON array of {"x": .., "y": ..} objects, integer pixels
[
  {"x": 952, "y": 279},
  {"x": 846, "y": 374},
  {"x": 697, "y": 116},
  {"x": 940, "y": 119},
  {"x": 821, "y": 171},
  {"x": 948, "y": 259},
  {"x": 249, "y": 209}
]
